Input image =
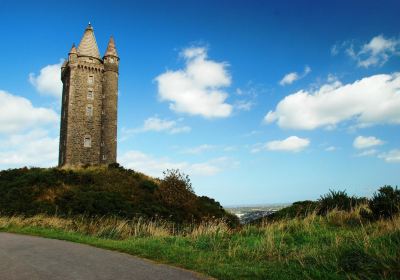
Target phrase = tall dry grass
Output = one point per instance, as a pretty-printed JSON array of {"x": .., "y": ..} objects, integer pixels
[
  {"x": 341, "y": 241},
  {"x": 116, "y": 228}
]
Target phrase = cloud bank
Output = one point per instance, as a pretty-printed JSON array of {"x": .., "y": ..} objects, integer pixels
[
  {"x": 17, "y": 113},
  {"x": 369, "y": 101}
]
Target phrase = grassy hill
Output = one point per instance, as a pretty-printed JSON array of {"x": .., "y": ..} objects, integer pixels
[
  {"x": 336, "y": 237},
  {"x": 105, "y": 191}
]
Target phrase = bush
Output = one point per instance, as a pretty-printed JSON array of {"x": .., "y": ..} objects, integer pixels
[
  {"x": 338, "y": 200},
  {"x": 385, "y": 203}
]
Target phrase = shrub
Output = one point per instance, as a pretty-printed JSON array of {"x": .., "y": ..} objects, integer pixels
[
  {"x": 148, "y": 186},
  {"x": 94, "y": 203},
  {"x": 115, "y": 165},
  {"x": 176, "y": 189},
  {"x": 385, "y": 203},
  {"x": 339, "y": 200},
  {"x": 299, "y": 209}
]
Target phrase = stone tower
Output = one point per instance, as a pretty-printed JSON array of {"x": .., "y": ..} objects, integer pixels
[{"x": 88, "y": 133}]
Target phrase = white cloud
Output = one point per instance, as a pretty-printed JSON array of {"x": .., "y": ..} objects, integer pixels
[
  {"x": 248, "y": 96},
  {"x": 157, "y": 124},
  {"x": 374, "y": 53},
  {"x": 331, "y": 149},
  {"x": 361, "y": 142},
  {"x": 230, "y": 148},
  {"x": 170, "y": 126},
  {"x": 197, "y": 89},
  {"x": 371, "y": 100},
  {"x": 289, "y": 78},
  {"x": 367, "y": 153},
  {"x": 392, "y": 156},
  {"x": 290, "y": 144},
  {"x": 294, "y": 76},
  {"x": 252, "y": 133},
  {"x": 48, "y": 82},
  {"x": 17, "y": 113},
  {"x": 199, "y": 149},
  {"x": 153, "y": 166},
  {"x": 34, "y": 148},
  {"x": 244, "y": 105},
  {"x": 335, "y": 50}
]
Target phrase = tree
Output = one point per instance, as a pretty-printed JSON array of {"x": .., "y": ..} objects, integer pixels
[{"x": 176, "y": 189}]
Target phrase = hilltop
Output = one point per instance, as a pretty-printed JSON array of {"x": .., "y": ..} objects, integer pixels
[{"x": 105, "y": 191}]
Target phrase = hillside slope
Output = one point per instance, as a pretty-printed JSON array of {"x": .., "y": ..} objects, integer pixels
[{"x": 105, "y": 191}]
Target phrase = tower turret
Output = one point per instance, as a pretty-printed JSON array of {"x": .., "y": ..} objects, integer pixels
[
  {"x": 73, "y": 54},
  {"x": 110, "y": 103}
]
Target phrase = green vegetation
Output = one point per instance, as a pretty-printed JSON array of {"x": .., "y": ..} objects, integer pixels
[
  {"x": 101, "y": 191},
  {"x": 336, "y": 237},
  {"x": 383, "y": 205},
  {"x": 340, "y": 245}
]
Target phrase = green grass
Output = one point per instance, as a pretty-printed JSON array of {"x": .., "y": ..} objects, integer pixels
[{"x": 338, "y": 246}]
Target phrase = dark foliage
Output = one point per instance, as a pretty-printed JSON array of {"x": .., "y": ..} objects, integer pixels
[
  {"x": 299, "y": 209},
  {"x": 385, "y": 203},
  {"x": 104, "y": 191},
  {"x": 339, "y": 200}
]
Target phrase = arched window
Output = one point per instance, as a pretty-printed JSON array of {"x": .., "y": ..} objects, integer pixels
[
  {"x": 87, "y": 141},
  {"x": 89, "y": 110}
]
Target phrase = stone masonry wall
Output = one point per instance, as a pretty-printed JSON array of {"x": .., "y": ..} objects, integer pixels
[
  {"x": 75, "y": 124},
  {"x": 110, "y": 103}
]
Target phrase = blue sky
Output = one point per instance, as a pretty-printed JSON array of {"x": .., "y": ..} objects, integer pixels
[{"x": 258, "y": 101}]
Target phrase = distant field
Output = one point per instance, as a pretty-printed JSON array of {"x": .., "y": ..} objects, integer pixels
[{"x": 339, "y": 245}]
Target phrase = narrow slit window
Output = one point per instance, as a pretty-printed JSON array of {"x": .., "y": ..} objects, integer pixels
[
  {"x": 87, "y": 142},
  {"x": 89, "y": 110},
  {"x": 91, "y": 79},
  {"x": 90, "y": 95}
]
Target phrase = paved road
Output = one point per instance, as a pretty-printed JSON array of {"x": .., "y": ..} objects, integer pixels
[{"x": 34, "y": 258}]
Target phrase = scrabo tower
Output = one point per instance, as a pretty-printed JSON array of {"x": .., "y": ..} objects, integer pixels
[{"x": 88, "y": 133}]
